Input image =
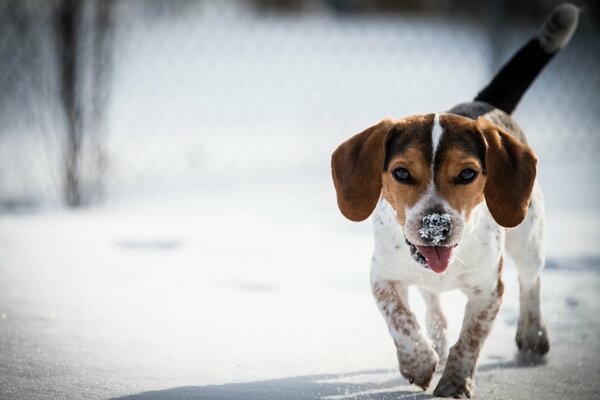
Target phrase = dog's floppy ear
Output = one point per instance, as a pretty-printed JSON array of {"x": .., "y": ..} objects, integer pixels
[
  {"x": 511, "y": 170},
  {"x": 357, "y": 166}
]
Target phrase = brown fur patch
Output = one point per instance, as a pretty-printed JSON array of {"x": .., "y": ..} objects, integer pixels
[
  {"x": 356, "y": 170},
  {"x": 511, "y": 169},
  {"x": 460, "y": 148},
  {"x": 462, "y": 198},
  {"x": 409, "y": 147},
  {"x": 500, "y": 285},
  {"x": 400, "y": 195}
]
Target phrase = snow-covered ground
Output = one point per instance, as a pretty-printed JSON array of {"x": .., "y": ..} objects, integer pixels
[
  {"x": 220, "y": 267},
  {"x": 259, "y": 290}
]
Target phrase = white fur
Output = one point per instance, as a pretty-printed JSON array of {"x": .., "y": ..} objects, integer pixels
[{"x": 436, "y": 134}]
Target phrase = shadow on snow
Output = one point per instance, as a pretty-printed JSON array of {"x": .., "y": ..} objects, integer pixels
[{"x": 325, "y": 386}]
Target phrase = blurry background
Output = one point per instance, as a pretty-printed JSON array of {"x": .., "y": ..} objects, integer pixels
[
  {"x": 129, "y": 96},
  {"x": 167, "y": 217}
]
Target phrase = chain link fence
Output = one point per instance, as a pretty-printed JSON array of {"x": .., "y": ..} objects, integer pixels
[{"x": 193, "y": 91}]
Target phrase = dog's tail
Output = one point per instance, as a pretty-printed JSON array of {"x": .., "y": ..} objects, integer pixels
[{"x": 515, "y": 77}]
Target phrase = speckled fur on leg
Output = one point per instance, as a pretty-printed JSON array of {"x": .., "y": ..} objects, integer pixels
[
  {"x": 416, "y": 355},
  {"x": 437, "y": 325},
  {"x": 458, "y": 379}
]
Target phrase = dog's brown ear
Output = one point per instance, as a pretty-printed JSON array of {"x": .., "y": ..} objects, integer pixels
[
  {"x": 357, "y": 166},
  {"x": 511, "y": 169}
]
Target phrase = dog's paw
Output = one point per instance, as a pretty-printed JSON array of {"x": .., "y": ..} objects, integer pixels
[
  {"x": 455, "y": 387},
  {"x": 418, "y": 368},
  {"x": 533, "y": 338}
]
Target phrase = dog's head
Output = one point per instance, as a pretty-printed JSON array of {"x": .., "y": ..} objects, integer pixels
[{"x": 433, "y": 170}]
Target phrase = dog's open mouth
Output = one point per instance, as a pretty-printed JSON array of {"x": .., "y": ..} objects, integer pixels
[{"x": 436, "y": 258}]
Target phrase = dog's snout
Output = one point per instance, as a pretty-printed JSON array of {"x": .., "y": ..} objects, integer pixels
[{"x": 435, "y": 228}]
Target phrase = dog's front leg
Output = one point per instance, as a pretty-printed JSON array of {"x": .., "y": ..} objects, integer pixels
[
  {"x": 416, "y": 355},
  {"x": 482, "y": 307},
  {"x": 437, "y": 325}
]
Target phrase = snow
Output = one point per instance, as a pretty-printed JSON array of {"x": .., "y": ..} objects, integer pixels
[
  {"x": 253, "y": 290},
  {"x": 435, "y": 227},
  {"x": 220, "y": 266}
]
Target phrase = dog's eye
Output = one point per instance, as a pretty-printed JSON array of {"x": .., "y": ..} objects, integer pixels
[
  {"x": 403, "y": 176},
  {"x": 466, "y": 176}
]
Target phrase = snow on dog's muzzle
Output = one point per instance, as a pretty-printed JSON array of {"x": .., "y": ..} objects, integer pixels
[{"x": 435, "y": 229}]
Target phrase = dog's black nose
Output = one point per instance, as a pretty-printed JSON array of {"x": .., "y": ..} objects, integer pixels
[{"x": 435, "y": 228}]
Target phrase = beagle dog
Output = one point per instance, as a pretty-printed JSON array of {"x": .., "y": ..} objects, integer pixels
[{"x": 449, "y": 192}]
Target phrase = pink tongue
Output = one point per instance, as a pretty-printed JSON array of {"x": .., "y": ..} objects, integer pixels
[{"x": 437, "y": 257}]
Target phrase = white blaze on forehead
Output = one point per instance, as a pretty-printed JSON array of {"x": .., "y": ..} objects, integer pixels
[{"x": 436, "y": 133}]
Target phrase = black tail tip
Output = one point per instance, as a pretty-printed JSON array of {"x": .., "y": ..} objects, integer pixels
[{"x": 559, "y": 27}]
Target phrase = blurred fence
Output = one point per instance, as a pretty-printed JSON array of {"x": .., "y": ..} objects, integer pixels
[{"x": 200, "y": 90}]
